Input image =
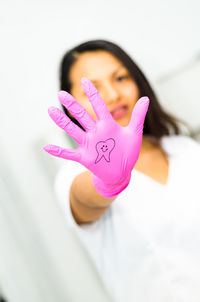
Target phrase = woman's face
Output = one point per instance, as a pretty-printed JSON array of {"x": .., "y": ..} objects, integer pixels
[{"x": 113, "y": 81}]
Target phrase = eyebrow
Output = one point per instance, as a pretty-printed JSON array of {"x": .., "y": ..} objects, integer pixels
[{"x": 113, "y": 73}]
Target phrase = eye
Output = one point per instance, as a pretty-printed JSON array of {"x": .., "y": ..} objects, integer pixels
[{"x": 121, "y": 78}]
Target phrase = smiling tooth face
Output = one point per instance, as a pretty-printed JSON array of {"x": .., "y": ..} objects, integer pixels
[{"x": 104, "y": 148}]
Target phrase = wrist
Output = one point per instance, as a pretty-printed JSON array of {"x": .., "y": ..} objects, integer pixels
[{"x": 110, "y": 190}]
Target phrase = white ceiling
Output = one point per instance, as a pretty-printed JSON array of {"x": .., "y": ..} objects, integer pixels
[{"x": 160, "y": 35}]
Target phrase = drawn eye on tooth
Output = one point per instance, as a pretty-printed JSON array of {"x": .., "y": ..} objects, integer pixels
[{"x": 104, "y": 148}]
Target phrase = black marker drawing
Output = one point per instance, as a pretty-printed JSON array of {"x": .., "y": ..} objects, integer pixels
[{"x": 104, "y": 148}]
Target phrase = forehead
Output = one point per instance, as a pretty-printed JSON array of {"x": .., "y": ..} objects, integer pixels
[{"x": 95, "y": 65}]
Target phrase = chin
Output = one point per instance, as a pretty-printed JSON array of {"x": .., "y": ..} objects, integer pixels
[{"x": 123, "y": 123}]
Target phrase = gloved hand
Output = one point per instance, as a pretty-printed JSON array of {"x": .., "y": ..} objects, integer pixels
[{"x": 108, "y": 150}]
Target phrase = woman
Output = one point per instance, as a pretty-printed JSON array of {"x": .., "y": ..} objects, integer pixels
[{"x": 134, "y": 201}]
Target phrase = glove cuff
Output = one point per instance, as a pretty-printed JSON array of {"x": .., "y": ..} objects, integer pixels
[{"x": 110, "y": 190}]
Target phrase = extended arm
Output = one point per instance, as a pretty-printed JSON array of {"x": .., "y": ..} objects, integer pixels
[{"x": 86, "y": 203}]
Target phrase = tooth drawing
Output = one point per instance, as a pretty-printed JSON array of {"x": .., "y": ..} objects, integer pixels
[{"x": 104, "y": 148}]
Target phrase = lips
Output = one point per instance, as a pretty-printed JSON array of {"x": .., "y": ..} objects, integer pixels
[{"x": 119, "y": 111}]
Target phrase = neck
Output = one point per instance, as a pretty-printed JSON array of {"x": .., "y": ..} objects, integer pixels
[{"x": 147, "y": 145}]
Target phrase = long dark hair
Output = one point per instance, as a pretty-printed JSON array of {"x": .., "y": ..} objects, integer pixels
[{"x": 157, "y": 122}]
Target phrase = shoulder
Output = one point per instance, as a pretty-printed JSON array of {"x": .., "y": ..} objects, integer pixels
[
  {"x": 64, "y": 179},
  {"x": 180, "y": 144},
  {"x": 67, "y": 173},
  {"x": 69, "y": 170}
]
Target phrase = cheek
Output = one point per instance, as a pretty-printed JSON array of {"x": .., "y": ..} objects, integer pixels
[{"x": 131, "y": 91}]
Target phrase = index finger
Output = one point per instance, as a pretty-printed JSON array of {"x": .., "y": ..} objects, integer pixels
[
  {"x": 64, "y": 122},
  {"x": 96, "y": 100},
  {"x": 70, "y": 103}
]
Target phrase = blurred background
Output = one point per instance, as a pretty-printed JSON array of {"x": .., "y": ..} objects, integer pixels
[{"x": 163, "y": 37}]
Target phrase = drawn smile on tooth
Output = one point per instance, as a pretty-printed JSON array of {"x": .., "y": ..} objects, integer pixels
[{"x": 104, "y": 148}]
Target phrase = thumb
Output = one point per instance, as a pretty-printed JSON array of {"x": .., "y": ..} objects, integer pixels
[
  {"x": 138, "y": 115},
  {"x": 72, "y": 154}
]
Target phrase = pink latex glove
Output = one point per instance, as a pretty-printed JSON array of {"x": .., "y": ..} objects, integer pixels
[{"x": 108, "y": 150}]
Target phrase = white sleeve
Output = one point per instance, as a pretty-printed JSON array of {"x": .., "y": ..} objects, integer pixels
[
  {"x": 90, "y": 234},
  {"x": 62, "y": 185}
]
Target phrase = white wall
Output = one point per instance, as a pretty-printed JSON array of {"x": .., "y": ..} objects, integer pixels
[{"x": 162, "y": 36}]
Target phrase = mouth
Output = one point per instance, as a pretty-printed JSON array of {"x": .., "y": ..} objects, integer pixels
[{"x": 119, "y": 112}]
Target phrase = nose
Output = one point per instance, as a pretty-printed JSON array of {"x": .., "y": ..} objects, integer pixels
[{"x": 110, "y": 94}]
